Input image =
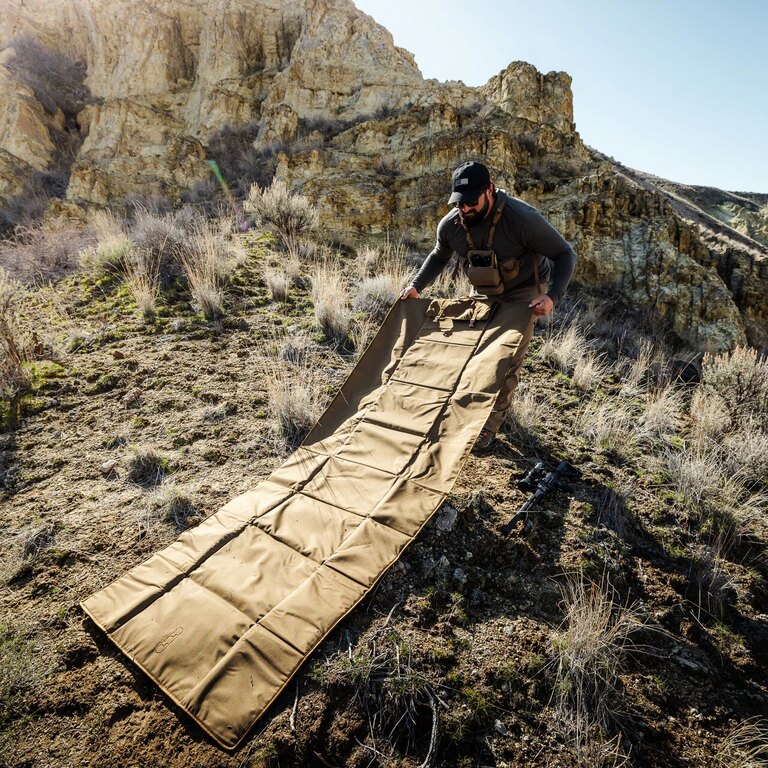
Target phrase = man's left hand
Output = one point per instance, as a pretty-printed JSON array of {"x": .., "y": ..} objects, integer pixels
[{"x": 542, "y": 305}]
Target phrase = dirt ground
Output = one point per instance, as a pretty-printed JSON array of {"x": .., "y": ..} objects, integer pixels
[{"x": 450, "y": 661}]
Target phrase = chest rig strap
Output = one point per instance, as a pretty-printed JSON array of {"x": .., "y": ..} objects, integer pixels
[{"x": 494, "y": 221}]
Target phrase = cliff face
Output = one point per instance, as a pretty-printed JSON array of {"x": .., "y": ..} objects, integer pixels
[{"x": 352, "y": 123}]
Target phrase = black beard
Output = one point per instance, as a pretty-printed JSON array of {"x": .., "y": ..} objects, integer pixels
[{"x": 477, "y": 216}]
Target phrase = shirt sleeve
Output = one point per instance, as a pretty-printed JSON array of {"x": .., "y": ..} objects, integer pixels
[
  {"x": 542, "y": 238},
  {"x": 435, "y": 262}
]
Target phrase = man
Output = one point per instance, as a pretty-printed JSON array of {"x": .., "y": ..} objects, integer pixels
[{"x": 504, "y": 246}]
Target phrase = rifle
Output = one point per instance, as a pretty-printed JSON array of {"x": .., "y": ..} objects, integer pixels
[{"x": 542, "y": 486}]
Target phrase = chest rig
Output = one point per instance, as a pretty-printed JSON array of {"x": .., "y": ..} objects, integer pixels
[
  {"x": 483, "y": 265},
  {"x": 486, "y": 273}
]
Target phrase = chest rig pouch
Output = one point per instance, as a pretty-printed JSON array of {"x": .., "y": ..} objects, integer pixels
[{"x": 482, "y": 265}]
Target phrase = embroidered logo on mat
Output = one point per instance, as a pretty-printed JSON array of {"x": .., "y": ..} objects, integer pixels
[{"x": 168, "y": 639}]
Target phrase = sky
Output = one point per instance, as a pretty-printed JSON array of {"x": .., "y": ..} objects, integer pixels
[{"x": 676, "y": 88}]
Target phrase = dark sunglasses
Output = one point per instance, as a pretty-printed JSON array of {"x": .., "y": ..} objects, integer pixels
[{"x": 466, "y": 203}]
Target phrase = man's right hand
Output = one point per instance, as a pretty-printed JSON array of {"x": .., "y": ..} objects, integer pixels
[{"x": 409, "y": 293}]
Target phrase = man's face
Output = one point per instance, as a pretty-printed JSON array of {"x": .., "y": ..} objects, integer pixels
[{"x": 473, "y": 214}]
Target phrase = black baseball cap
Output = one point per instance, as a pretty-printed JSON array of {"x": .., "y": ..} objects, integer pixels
[{"x": 470, "y": 180}]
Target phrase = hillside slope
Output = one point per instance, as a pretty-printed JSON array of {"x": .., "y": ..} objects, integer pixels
[{"x": 631, "y": 619}]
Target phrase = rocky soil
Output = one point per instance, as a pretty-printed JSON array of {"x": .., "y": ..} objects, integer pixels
[{"x": 452, "y": 660}]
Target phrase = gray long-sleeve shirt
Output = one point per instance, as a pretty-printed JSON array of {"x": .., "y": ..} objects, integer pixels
[{"x": 522, "y": 233}]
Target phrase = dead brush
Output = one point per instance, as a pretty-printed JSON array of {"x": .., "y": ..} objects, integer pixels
[
  {"x": 740, "y": 377},
  {"x": 160, "y": 238},
  {"x": 744, "y": 746},
  {"x": 275, "y": 208},
  {"x": 18, "y": 346},
  {"x": 45, "y": 252}
]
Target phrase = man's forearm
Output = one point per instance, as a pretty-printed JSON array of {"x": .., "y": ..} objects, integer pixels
[
  {"x": 562, "y": 272},
  {"x": 430, "y": 269}
]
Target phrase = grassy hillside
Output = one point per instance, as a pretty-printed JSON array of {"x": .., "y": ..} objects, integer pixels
[{"x": 166, "y": 363}]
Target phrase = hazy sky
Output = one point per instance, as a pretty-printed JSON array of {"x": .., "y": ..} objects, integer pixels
[{"x": 678, "y": 88}]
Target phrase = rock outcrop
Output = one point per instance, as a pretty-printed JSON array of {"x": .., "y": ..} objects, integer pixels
[{"x": 340, "y": 113}]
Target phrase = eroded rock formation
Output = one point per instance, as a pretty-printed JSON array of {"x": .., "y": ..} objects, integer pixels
[{"x": 338, "y": 111}]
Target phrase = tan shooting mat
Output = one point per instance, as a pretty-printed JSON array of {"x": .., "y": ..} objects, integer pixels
[{"x": 223, "y": 618}]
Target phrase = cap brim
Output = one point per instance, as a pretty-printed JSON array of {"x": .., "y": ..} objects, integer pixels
[{"x": 461, "y": 197}]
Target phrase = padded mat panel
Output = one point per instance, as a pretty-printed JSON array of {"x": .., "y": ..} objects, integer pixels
[{"x": 222, "y": 618}]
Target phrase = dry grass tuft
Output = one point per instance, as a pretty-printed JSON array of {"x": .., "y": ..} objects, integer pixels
[
  {"x": 374, "y": 296},
  {"x": 662, "y": 411},
  {"x": 610, "y": 425},
  {"x": 384, "y": 272},
  {"x": 292, "y": 217},
  {"x": 715, "y": 589},
  {"x": 174, "y": 505},
  {"x": 564, "y": 348},
  {"x": 696, "y": 474},
  {"x": 162, "y": 237},
  {"x": 278, "y": 283},
  {"x": 19, "y": 675},
  {"x": 449, "y": 285},
  {"x": 209, "y": 261},
  {"x": 296, "y": 398},
  {"x": 142, "y": 278},
  {"x": 745, "y": 456},
  {"x": 744, "y": 746},
  {"x": 329, "y": 295},
  {"x": 710, "y": 417},
  {"x": 589, "y": 650},
  {"x": 524, "y": 417},
  {"x": 589, "y": 372},
  {"x": 113, "y": 251},
  {"x": 145, "y": 465}
]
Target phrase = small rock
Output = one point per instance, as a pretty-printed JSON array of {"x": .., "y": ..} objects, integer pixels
[
  {"x": 509, "y": 631},
  {"x": 131, "y": 397},
  {"x": 446, "y": 520},
  {"x": 118, "y": 355},
  {"x": 460, "y": 576},
  {"x": 108, "y": 467},
  {"x": 500, "y": 728}
]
